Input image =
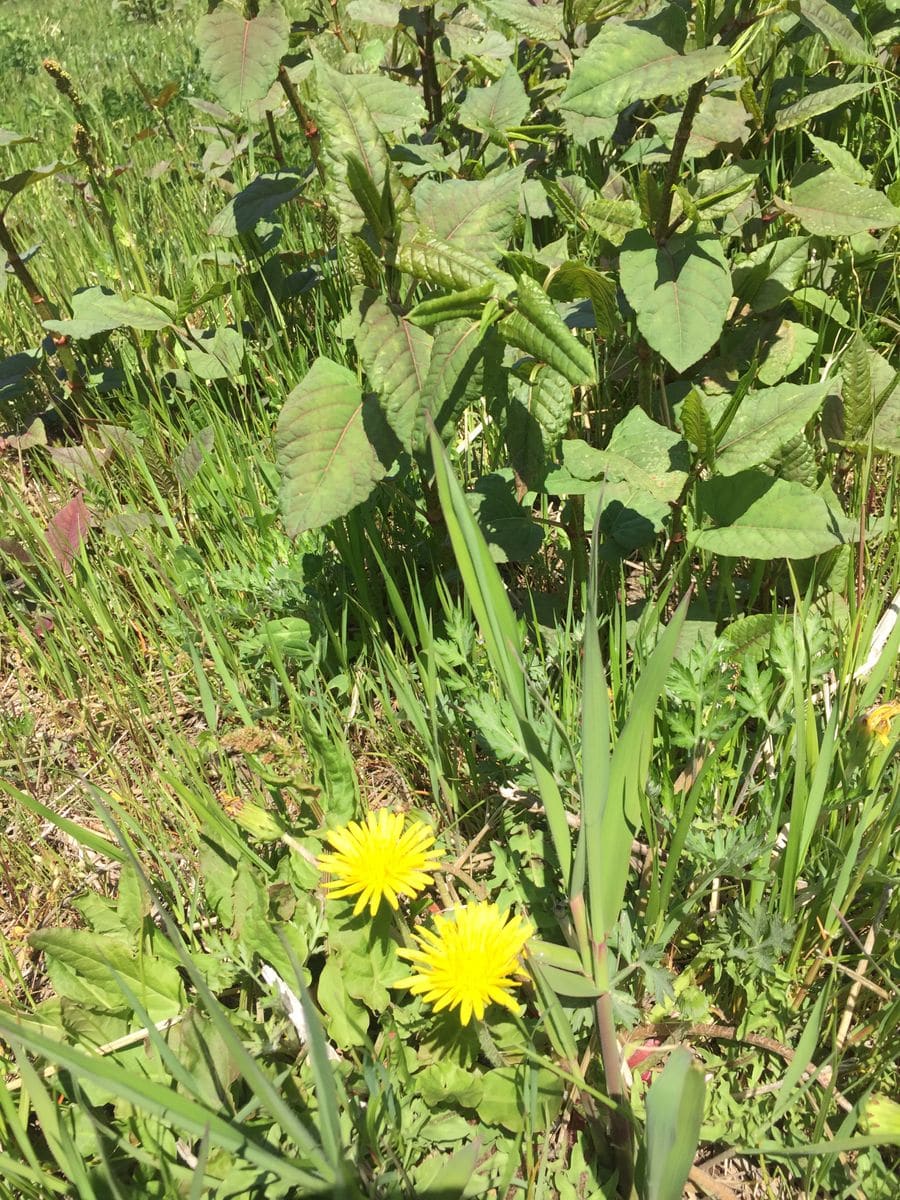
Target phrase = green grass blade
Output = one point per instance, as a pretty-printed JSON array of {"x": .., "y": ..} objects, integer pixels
[{"x": 674, "y": 1114}]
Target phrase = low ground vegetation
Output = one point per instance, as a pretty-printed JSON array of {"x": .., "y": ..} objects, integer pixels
[{"x": 449, "y": 550}]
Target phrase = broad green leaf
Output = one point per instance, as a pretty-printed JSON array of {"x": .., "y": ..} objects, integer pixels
[
  {"x": 766, "y": 421},
  {"x": 495, "y": 109},
  {"x": 24, "y": 179},
  {"x": 541, "y": 22},
  {"x": 348, "y": 129},
  {"x": 98, "y": 310},
  {"x": 327, "y": 461},
  {"x": 427, "y": 257},
  {"x": 830, "y": 203},
  {"x": 836, "y": 28},
  {"x": 14, "y": 372},
  {"x": 242, "y": 57},
  {"x": 817, "y": 103},
  {"x": 680, "y": 292},
  {"x": 629, "y": 61},
  {"x": 509, "y": 529},
  {"x": 538, "y": 416},
  {"x": 788, "y": 350},
  {"x": 538, "y": 329},
  {"x": 453, "y": 379},
  {"x": 823, "y": 302},
  {"x": 516, "y": 1097},
  {"x": 9, "y": 137},
  {"x": 221, "y": 355},
  {"x": 396, "y": 356},
  {"x": 758, "y": 516},
  {"x": 476, "y": 214},
  {"x": 674, "y": 1116},
  {"x": 614, "y": 219},
  {"x": 842, "y": 160},
  {"x": 719, "y": 122},
  {"x": 254, "y": 203},
  {"x": 92, "y": 957},
  {"x": 396, "y": 108},
  {"x": 573, "y": 280},
  {"x": 769, "y": 275},
  {"x": 374, "y": 12},
  {"x": 718, "y": 192}
]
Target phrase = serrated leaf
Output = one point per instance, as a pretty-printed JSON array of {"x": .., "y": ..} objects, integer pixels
[
  {"x": 836, "y": 28},
  {"x": 758, "y": 516},
  {"x": 697, "y": 426},
  {"x": 539, "y": 330},
  {"x": 631, "y": 61},
  {"x": 327, "y": 461},
  {"x": 796, "y": 461},
  {"x": 537, "y": 418},
  {"x": 256, "y": 202},
  {"x": 453, "y": 378},
  {"x": 856, "y": 393},
  {"x": 97, "y": 310},
  {"x": 495, "y": 109},
  {"x": 91, "y": 958},
  {"x": 613, "y": 219},
  {"x": 680, "y": 292},
  {"x": 818, "y": 103},
  {"x": 573, "y": 280},
  {"x": 477, "y": 214},
  {"x": 396, "y": 356},
  {"x": 347, "y": 127},
  {"x": 242, "y": 57},
  {"x": 542, "y": 22},
  {"x": 427, "y": 257},
  {"x": 830, "y": 203},
  {"x": 766, "y": 421}
]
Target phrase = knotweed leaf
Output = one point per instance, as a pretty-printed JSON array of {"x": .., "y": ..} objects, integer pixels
[{"x": 327, "y": 460}]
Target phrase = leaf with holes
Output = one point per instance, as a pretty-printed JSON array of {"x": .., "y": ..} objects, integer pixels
[
  {"x": 396, "y": 356},
  {"x": 680, "y": 292},
  {"x": 242, "y": 57},
  {"x": 326, "y": 455}
]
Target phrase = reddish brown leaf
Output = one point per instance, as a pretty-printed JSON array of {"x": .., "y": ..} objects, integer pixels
[{"x": 67, "y": 531}]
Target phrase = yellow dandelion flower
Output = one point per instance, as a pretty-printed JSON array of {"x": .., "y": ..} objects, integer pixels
[
  {"x": 469, "y": 959},
  {"x": 878, "y": 720},
  {"x": 380, "y": 857}
]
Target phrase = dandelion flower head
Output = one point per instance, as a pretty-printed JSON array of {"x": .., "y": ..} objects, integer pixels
[
  {"x": 878, "y": 720},
  {"x": 469, "y": 959},
  {"x": 381, "y": 857}
]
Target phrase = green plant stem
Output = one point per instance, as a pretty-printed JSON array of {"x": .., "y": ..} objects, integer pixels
[
  {"x": 488, "y": 1045},
  {"x": 619, "y": 1124},
  {"x": 692, "y": 106}
]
